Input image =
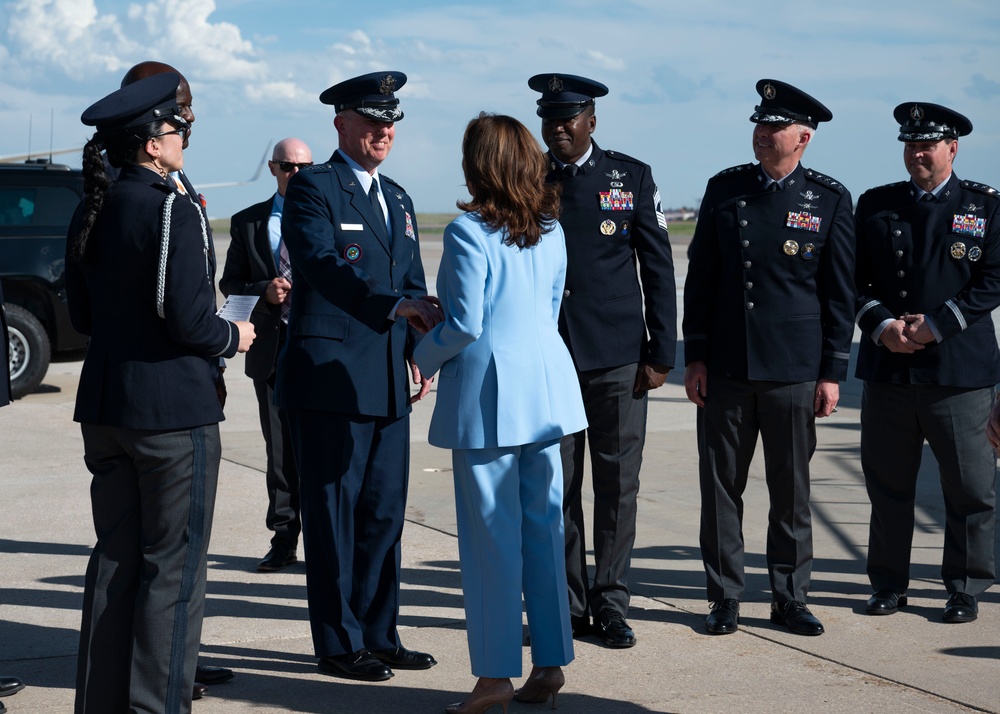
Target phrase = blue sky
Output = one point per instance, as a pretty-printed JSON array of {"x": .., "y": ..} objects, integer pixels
[{"x": 681, "y": 75}]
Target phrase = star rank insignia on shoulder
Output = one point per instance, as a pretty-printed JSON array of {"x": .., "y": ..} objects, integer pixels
[
  {"x": 825, "y": 180},
  {"x": 735, "y": 169},
  {"x": 980, "y": 188}
]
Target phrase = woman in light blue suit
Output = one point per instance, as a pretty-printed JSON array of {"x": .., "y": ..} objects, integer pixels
[{"x": 507, "y": 392}]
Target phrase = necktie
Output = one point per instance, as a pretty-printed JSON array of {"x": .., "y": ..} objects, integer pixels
[
  {"x": 284, "y": 271},
  {"x": 927, "y": 197},
  {"x": 377, "y": 207},
  {"x": 775, "y": 186},
  {"x": 569, "y": 170}
]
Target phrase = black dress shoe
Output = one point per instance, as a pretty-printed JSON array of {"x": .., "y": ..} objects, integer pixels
[
  {"x": 796, "y": 617},
  {"x": 613, "y": 627},
  {"x": 581, "y": 625},
  {"x": 212, "y": 675},
  {"x": 356, "y": 665},
  {"x": 199, "y": 691},
  {"x": 9, "y": 685},
  {"x": 725, "y": 617},
  {"x": 278, "y": 557},
  {"x": 961, "y": 607},
  {"x": 402, "y": 658},
  {"x": 885, "y": 602}
]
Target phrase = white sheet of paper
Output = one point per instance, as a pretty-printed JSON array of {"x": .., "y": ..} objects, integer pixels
[{"x": 237, "y": 308}]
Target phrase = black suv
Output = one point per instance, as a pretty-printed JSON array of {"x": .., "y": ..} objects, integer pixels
[{"x": 37, "y": 201}]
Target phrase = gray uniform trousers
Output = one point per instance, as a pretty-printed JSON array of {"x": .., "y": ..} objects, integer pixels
[
  {"x": 616, "y": 435},
  {"x": 735, "y": 412},
  {"x": 153, "y": 496},
  {"x": 895, "y": 420}
]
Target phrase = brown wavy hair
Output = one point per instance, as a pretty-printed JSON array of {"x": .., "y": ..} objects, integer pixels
[{"x": 505, "y": 173}]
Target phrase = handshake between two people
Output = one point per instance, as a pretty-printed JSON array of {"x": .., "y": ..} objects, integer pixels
[{"x": 422, "y": 313}]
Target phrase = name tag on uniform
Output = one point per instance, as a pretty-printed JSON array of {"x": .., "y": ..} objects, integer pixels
[{"x": 352, "y": 227}]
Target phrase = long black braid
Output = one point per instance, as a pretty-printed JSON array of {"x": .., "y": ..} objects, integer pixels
[{"x": 122, "y": 150}]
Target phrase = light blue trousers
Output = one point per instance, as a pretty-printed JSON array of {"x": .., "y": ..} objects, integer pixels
[{"x": 510, "y": 540}]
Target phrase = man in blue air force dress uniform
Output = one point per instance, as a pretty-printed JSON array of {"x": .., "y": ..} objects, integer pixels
[
  {"x": 351, "y": 236},
  {"x": 928, "y": 278},
  {"x": 613, "y": 221},
  {"x": 768, "y": 307}
]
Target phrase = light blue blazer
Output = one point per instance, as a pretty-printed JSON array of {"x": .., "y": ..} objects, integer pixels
[{"x": 506, "y": 377}]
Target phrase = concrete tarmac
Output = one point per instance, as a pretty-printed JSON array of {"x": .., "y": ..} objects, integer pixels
[{"x": 258, "y": 625}]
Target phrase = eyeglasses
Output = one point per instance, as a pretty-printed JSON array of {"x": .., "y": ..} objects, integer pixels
[
  {"x": 287, "y": 166},
  {"x": 182, "y": 133}
]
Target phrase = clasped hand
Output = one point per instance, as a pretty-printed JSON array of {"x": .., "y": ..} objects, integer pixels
[
  {"x": 906, "y": 335},
  {"x": 422, "y": 314}
]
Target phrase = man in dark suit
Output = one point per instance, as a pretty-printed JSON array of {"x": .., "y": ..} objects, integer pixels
[
  {"x": 768, "y": 308},
  {"x": 612, "y": 218},
  {"x": 928, "y": 278},
  {"x": 205, "y": 674},
  {"x": 351, "y": 235},
  {"x": 257, "y": 264}
]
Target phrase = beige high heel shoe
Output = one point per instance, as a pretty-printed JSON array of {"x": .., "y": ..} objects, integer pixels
[
  {"x": 542, "y": 682},
  {"x": 483, "y": 698}
]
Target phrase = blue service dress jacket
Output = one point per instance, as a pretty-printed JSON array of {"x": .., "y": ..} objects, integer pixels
[
  {"x": 506, "y": 377},
  {"x": 941, "y": 259},
  {"x": 613, "y": 221},
  {"x": 769, "y": 293},
  {"x": 342, "y": 353},
  {"x": 144, "y": 371}
]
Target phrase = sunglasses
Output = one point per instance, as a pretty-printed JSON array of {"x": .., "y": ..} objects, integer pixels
[
  {"x": 182, "y": 133},
  {"x": 287, "y": 166}
]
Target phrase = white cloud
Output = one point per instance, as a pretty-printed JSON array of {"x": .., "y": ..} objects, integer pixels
[
  {"x": 273, "y": 92},
  {"x": 67, "y": 33},
  {"x": 604, "y": 61},
  {"x": 182, "y": 28},
  {"x": 73, "y": 37}
]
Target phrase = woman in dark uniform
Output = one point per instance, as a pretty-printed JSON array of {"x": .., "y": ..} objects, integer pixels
[{"x": 139, "y": 275}]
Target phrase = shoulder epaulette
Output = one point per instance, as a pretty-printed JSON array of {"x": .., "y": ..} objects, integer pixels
[
  {"x": 735, "y": 169},
  {"x": 825, "y": 180},
  {"x": 619, "y": 156},
  {"x": 895, "y": 184},
  {"x": 316, "y": 167},
  {"x": 980, "y": 188},
  {"x": 389, "y": 180}
]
